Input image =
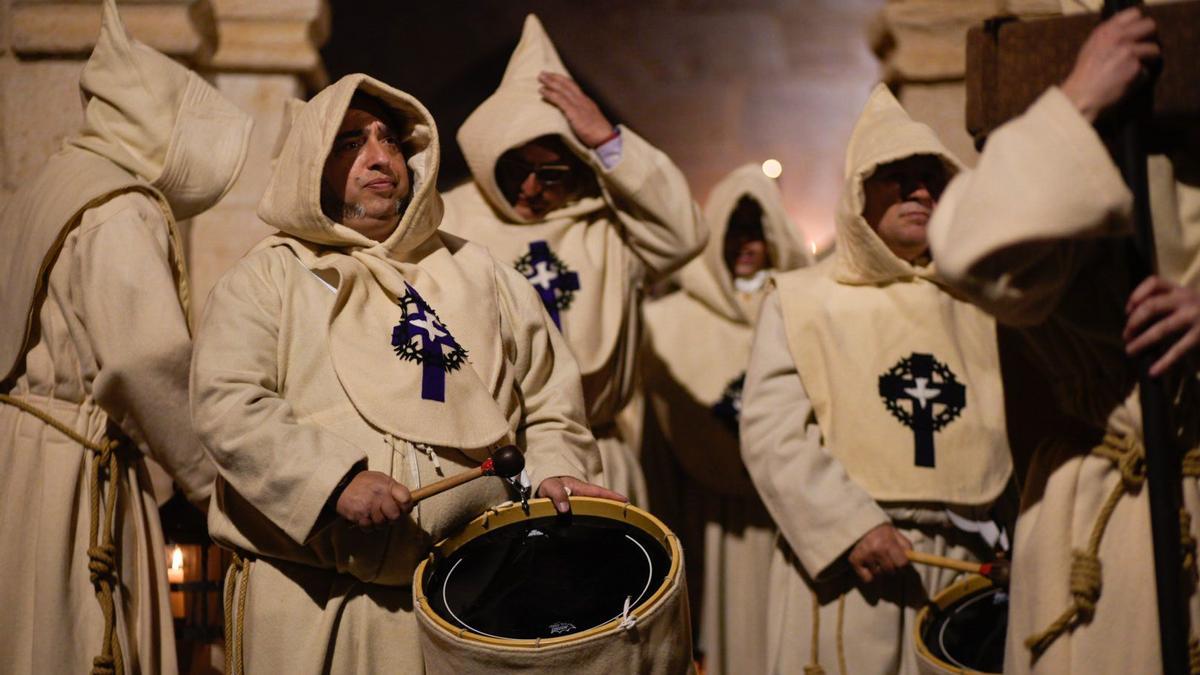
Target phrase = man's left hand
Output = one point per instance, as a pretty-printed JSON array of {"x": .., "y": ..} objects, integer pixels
[
  {"x": 1161, "y": 312},
  {"x": 582, "y": 113},
  {"x": 559, "y": 488}
]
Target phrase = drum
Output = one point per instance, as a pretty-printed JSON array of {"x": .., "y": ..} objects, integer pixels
[
  {"x": 599, "y": 591},
  {"x": 963, "y": 629}
]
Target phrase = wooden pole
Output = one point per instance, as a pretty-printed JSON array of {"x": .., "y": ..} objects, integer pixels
[{"x": 1163, "y": 460}]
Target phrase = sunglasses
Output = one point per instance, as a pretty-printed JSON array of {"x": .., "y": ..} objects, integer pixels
[{"x": 514, "y": 171}]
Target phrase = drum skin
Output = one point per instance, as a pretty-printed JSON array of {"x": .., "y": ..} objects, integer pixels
[
  {"x": 657, "y": 640},
  {"x": 958, "y": 593}
]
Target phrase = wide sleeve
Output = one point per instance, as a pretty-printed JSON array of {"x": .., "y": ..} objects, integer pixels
[
  {"x": 661, "y": 222},
  {"x": 819, "y": 509},
  {"x": 284, "y": 469},
  {"x": 1008, "y": 233},
  {"x": 553, "y": 432},
  {"x": 126, "y": 297}
]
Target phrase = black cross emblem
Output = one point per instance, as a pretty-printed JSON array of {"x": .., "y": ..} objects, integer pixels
[
  {"x": 913, "y": 379},
  {"x": 729, "y": 409},
  {"x": 555, "y": 282}
]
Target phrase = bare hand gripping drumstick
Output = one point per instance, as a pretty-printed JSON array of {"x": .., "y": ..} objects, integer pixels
[
  {"x": 505, "y": 463},
  {"x": 996, "y": 570}
]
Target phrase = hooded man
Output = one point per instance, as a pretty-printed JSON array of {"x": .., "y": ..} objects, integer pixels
[
  {"x": 587, "y": 213},
  {"x": 1037, "y": 235},
  {"x": 699, "y": 341},
  {"x": 94, "y": 351},
  {"x": 355, "y": 355},
  {"x": 872, "y": 418}
]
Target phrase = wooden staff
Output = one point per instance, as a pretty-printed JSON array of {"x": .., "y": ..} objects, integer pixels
[{"x": 505, "y": 463}]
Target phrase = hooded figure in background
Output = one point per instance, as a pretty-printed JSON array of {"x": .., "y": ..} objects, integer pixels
[
  {"x": 1038, "y": 234},
  {"x": 94, "y": 350},
  {"x": 587, "y": 213},
  {"x": 699, "y": 343},
  {"x": 355, "y": 355},
  {"x": 872, "y": 418}
]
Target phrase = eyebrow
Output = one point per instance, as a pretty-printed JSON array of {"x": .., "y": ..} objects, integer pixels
[{"x": 384, "y": 130}]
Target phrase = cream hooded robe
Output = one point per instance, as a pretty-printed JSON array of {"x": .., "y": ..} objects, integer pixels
[
  {"x": 1035, "y": 235},
  {"x": 323, "y": 349},
  {"x": 856, "y": 364},
  {"x": 95, "y": 335},
  {"x": 642, "y": 224},
  {"x": 699, "y": 342}
]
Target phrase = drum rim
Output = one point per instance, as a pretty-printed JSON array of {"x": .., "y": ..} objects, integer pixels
[
  {"x": 956, "y": 591},
  {"x": 538, "y": 508}
]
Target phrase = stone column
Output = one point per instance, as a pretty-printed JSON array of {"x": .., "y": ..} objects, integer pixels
[
  {"x": 257, "y": 52},
  {"x": 922, "y": 45}
]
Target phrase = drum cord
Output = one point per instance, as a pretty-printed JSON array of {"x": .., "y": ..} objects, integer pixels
[
  {"x": 815, "y": 668},
  {"x": 102, "y": 549},
  {"x": 1128, "y": 457}
]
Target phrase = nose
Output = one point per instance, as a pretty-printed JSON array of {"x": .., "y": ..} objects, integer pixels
[
  {"x": 918, "y": 190},
  {"x": 375, "y": 154},
  {"x": 531, "y": 185}
]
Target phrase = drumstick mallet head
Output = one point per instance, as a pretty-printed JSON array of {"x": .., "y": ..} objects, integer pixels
[
  {"x": 996, "y": 570},
  {"x": 505, "y": 463}
]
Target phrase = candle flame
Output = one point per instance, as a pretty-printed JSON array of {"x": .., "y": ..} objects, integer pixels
[
  {"x": 812, "y": 246},
  {"x": 177, "y": 559}
]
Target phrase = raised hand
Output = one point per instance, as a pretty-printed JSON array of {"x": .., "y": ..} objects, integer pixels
[
  {"x": 582, "y": 113},
  {"x": 1110, "y": 62}
]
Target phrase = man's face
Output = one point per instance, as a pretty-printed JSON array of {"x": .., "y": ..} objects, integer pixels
[
  {"x": 365, "y": 180},
  {"x": 539, "y": 177},
  {"x": 900, "y": 197},
  {"x": 745, "y": 248}
]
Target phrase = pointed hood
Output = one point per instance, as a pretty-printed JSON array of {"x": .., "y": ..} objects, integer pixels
[
  {"x": 708, "y": 278},
  {"x": 884, "y": 133},
  {"x": 292, "y": 202},
  {"x": 160, "y": 121},
  {"x": 516, "y": 114},
  {"x": 150, "y": 126}
]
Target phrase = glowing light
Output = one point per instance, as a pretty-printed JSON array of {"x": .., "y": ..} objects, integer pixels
[
  {"x": 812, "y": 246},
  {"x": 177, "y": 559},
  {"x": 772, "y": 168}
]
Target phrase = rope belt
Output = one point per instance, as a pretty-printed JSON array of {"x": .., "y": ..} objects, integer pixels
[
  {"x": 814, "y": 667},
  {"x": 102, "y": 550},
  {"x": 1129, "y": 457},
  {"x": 237, "y": 578}
]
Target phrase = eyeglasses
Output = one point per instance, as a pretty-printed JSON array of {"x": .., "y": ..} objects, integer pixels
[{"x": 514, "y": 171}]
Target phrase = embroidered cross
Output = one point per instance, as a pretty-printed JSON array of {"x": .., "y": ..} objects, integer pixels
[
  {"x": 729, "y": 409},
  {"x": 912, "y": 379},
  {"x": 554, "y": 281},
  {"x": 422, "y": 338}
]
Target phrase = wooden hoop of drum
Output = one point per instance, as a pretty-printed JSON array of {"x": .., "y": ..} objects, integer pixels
[
  {"x": 963, "y": 629},
  {"x": 601, "y": 590}
]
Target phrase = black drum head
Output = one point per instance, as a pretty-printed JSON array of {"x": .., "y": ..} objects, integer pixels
[
  {"x": 546, "y": 577},
  {"x": 970, "y": 632}
]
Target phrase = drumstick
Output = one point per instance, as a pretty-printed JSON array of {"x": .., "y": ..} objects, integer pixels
[
  {"x": 997, "y": 570},
  {"x": 505, "y": 463}
]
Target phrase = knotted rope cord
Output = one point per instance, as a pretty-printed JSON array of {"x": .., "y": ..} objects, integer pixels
[
  {"x": 237, "y": 577},
  {"x": 102, "y": 550},
  {"x": 814, "y": 667},
  {"x": 1128, "y": 456}
]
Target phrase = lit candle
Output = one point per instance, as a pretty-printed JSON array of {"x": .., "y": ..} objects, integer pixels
[{"x": 175, "y": 576}]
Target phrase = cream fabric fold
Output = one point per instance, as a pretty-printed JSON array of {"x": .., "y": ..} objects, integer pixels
[{"x": 150, "y": 125}]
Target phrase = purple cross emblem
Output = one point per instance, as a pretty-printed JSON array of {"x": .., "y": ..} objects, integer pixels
[
  {"x": 554, "y": 281},
  {"x": 422, "y": 338}
]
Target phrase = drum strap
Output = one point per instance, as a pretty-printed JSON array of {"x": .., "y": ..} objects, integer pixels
[
  {"x": 815, "y": 668},
  {"x": 1129, "y": 458},
  {"x": 102, "y": 547},
  {"x": 237, "y": 579}
]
